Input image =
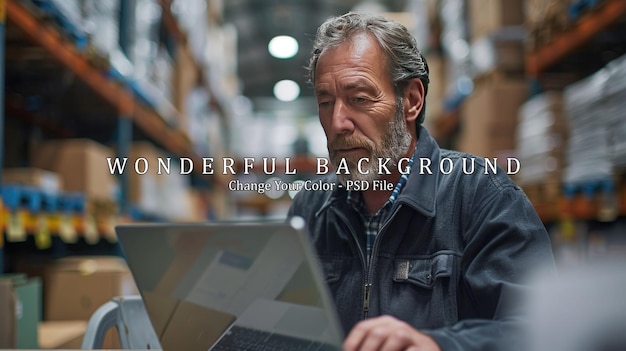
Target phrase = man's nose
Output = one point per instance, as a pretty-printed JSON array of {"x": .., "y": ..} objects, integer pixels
[{"x": 342, "y": 121}]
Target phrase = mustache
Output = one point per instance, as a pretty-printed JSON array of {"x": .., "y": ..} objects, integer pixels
[{"x": 349, "y": 142}]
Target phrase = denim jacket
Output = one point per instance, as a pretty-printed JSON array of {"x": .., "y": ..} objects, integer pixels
[{"x": 451, "y": 259}]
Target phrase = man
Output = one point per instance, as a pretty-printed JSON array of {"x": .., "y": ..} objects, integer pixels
[{"x": 438, "y": 261}]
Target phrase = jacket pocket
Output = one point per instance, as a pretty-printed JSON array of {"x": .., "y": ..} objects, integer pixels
[
  {"x": 424, "y": 272},
  {"x": 426, "y": 289}
]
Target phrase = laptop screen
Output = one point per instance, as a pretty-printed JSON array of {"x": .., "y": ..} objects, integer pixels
[{"x": 199, "y": 280}]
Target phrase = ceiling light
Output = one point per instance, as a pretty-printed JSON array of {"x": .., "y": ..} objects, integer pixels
[
  {"x": 283, "y": 47},
  {"x": 286, "y": 90}
]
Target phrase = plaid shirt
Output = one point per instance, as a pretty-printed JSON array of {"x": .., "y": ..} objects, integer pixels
[{"x": 373, "y": 223}]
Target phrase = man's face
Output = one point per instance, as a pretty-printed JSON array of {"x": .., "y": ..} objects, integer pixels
[{"x": 358, "y": 108}]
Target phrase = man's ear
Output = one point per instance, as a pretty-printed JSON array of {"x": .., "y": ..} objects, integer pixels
[{"x": 413, "y": 99}]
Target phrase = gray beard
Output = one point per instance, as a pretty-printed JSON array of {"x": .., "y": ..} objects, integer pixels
[{"x": 394, "y": 145}]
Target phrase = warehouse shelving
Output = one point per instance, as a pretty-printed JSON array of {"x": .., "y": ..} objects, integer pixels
[
  {"x": 560, "y": 55},
  {"x": 126, "y": 111},
  {"x": 174, "y": 28},
  {"x": 585, "y": 29},
  {"x": 116, "y": 94}
]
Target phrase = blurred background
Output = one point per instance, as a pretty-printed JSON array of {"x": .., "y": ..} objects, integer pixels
[{"x": 543, "y": 81}]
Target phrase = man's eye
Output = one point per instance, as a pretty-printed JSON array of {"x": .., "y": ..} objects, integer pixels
[
  {"x": 324, "y": 103},
  {"x": 359, "y": 100}
]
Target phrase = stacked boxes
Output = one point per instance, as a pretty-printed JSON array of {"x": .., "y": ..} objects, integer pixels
[
  {"x": 496, "y": 28},
  {"x": 72, "y": 289},
  {"x": 20, "y": 303},
  {"x": 541, "y": 139},
  {"x": 488, "y": 16},
  {"x": 616, "y": 112},
  {"x": 153, "y": 68},
  {"x": 69, "y": 190},
  {"x": 489, "y": 118},
  {"x": 48, "y": 182},
  {"x": 75, "y": 287},
  {"x": 102, "y": 20},
  {"x": 81, "y": 165},
  {"x": 541, "y": 146},
  {"x": 489, "y": 115},
  {"x": 145, "y": 66},
  {"x": 595, "y": 112},
  {"x": 587, "y": 153},
  {"x": 193, "y": 19}
]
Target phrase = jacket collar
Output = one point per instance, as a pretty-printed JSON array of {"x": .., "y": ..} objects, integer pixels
[
  {"x": 337, "y": 195},
  {"x": 420, "y": 190}
]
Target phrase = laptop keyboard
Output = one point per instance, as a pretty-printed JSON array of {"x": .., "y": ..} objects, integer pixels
[{"x": 246, "y": 339}]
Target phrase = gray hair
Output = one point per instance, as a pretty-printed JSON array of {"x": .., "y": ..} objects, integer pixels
[{"x": 404, "y": 60}]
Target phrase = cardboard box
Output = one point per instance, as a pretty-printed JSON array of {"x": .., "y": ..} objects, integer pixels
[
  {"x": 75, "y": 287},
  {"x": 27, "y": 308},
  {"x": 487, "y": 16},
  {"x": 80, "y": 163},
  {"x": 68, "y": 335},
  {"x": 8, "y": 318},
  {"x": 65, "y": 335},
  {"x": 489, "y": 117},
  {"x": 35, "y": 177}
]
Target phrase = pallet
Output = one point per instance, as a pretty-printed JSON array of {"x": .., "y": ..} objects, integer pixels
[
  {"x": 34, "y": 200},
  {"x": 597, "y": 199},
  {"x": 24, "y": 206},
  {"x": 73, "y": 203},
  {"x": 30, "y": 210},
  {"x": 589, "y": 188},
  {"x": 15, "y": 197}
]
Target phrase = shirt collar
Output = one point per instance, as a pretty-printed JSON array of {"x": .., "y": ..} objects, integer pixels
[{"x": 355, "y": 199}]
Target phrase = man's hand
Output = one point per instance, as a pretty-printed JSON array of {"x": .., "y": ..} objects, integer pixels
[{"x": 387, "y": 333}]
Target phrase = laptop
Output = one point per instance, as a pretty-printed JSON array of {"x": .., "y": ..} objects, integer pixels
[{"x": 232, "y": 286}]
